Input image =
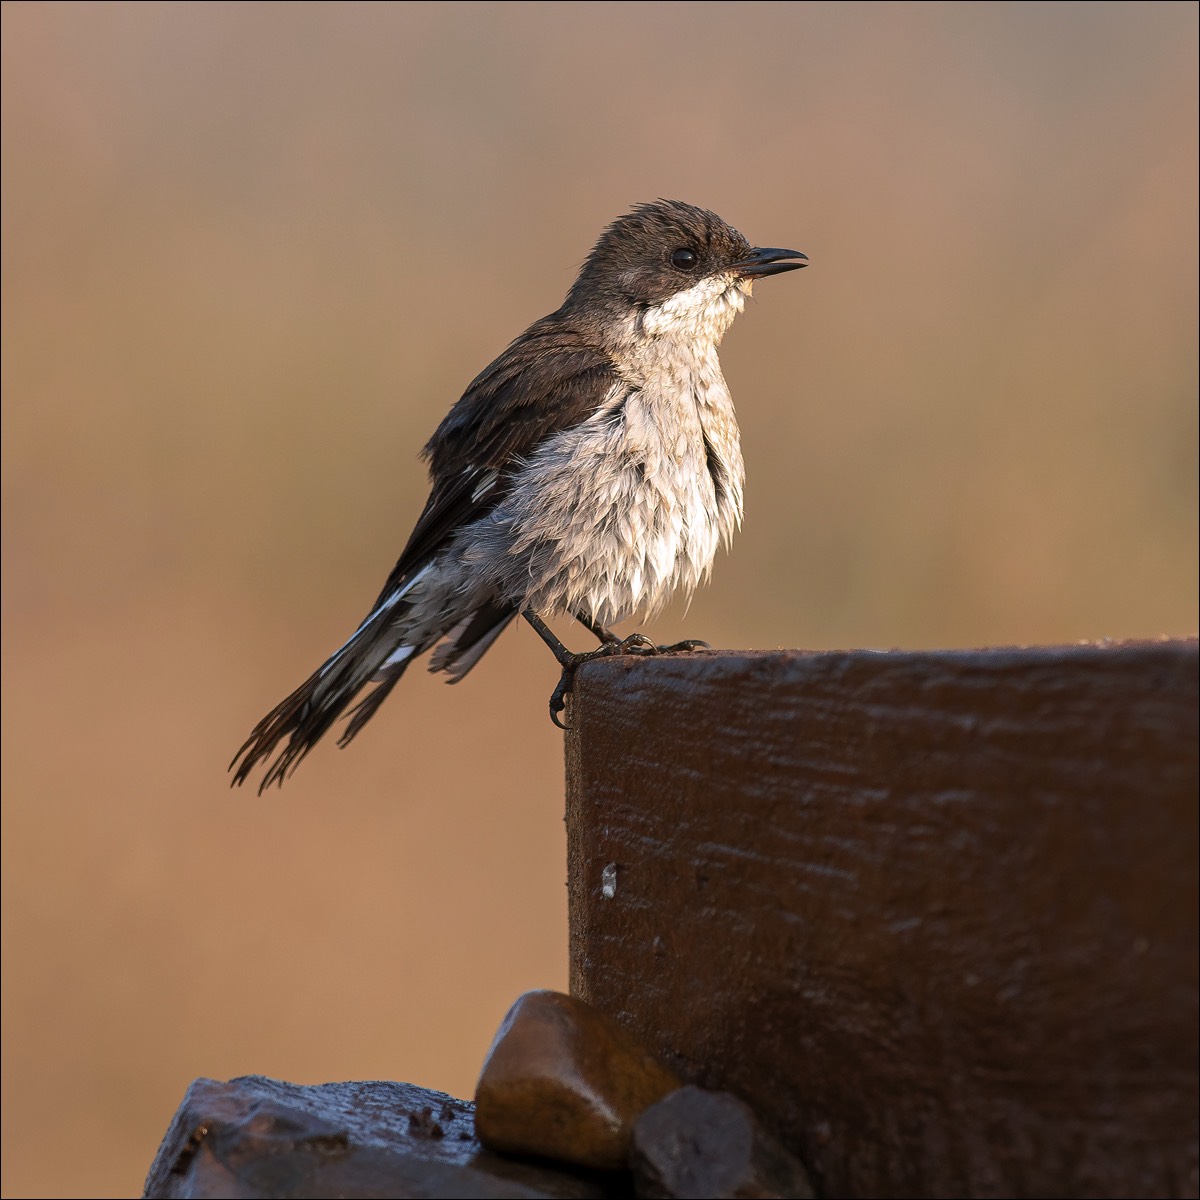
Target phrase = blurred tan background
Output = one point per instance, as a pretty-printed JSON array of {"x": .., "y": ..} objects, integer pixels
[{"x": 251, "y": 255}]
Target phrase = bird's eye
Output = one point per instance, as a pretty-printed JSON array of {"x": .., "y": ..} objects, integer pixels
[{"x": 684, "y": 259}]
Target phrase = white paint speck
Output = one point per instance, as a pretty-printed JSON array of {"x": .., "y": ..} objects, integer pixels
[{"x": 608, "y": 881}]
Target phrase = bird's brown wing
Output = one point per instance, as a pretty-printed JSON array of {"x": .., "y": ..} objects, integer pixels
[{"x": 550, "y": 379}]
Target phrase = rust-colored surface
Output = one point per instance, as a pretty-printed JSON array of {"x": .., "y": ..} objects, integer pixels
[{"x": 933, "y": 915}]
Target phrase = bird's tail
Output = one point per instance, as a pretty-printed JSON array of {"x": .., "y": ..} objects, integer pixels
[{"x": 376, "y": 653}]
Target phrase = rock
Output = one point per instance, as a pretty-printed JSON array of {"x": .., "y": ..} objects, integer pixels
[
  {"x": 256, "y": 1137},
  {"x": 564, "y": 1081},
  {"x": 698, "y": 1144}
]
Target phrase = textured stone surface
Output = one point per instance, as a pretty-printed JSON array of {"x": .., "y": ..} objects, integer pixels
[
  {"x": 933, "y": 915},
  {"x": 700, "y": 1145},
  {"x": 565, "y": 1082},
  {"x": 256, "y": 1137}
]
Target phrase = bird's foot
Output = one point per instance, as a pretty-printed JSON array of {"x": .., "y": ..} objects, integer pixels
[{"x": 635, "y": 643}]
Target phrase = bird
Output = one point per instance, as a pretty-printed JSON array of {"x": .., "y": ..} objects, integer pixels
[{"x": 591, "y": 472}]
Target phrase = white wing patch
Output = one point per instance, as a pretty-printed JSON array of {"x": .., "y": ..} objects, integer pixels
[
  {"x": 397, "y": 656},
  {"x": 487, "y": 481},
  {"x": 388, "y": 602}
]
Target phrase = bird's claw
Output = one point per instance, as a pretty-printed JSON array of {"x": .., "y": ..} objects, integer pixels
[
  {"x": 683, "y": 647},
  {"x": 558, "y": 698},
  {"x": 635, "y": 644},
  {"x": 572, "y": 663}
]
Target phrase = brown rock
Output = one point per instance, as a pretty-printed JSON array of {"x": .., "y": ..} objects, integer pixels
[
  {"x": 256, "y": 1137},
  {"x": 699, "y": 1144},
  {"x": 564, "y": 1081}
]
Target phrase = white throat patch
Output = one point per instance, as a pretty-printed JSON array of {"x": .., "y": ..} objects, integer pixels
[{"x": 701, "y": 313}]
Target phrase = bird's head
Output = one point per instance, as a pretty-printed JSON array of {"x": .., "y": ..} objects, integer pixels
[{"x": 674, "y": 269}]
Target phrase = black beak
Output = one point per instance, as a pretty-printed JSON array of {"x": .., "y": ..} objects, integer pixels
[{"x": 767, "y": 261}]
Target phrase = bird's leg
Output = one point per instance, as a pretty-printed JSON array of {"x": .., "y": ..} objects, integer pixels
[
  {"x": 567, "y": 659},
  {"x": 605, "y": 635},
  {"x": 570, "y": 662},
  {"x": 610, "y": 644},
  {"x": 635, "y": 643}
]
